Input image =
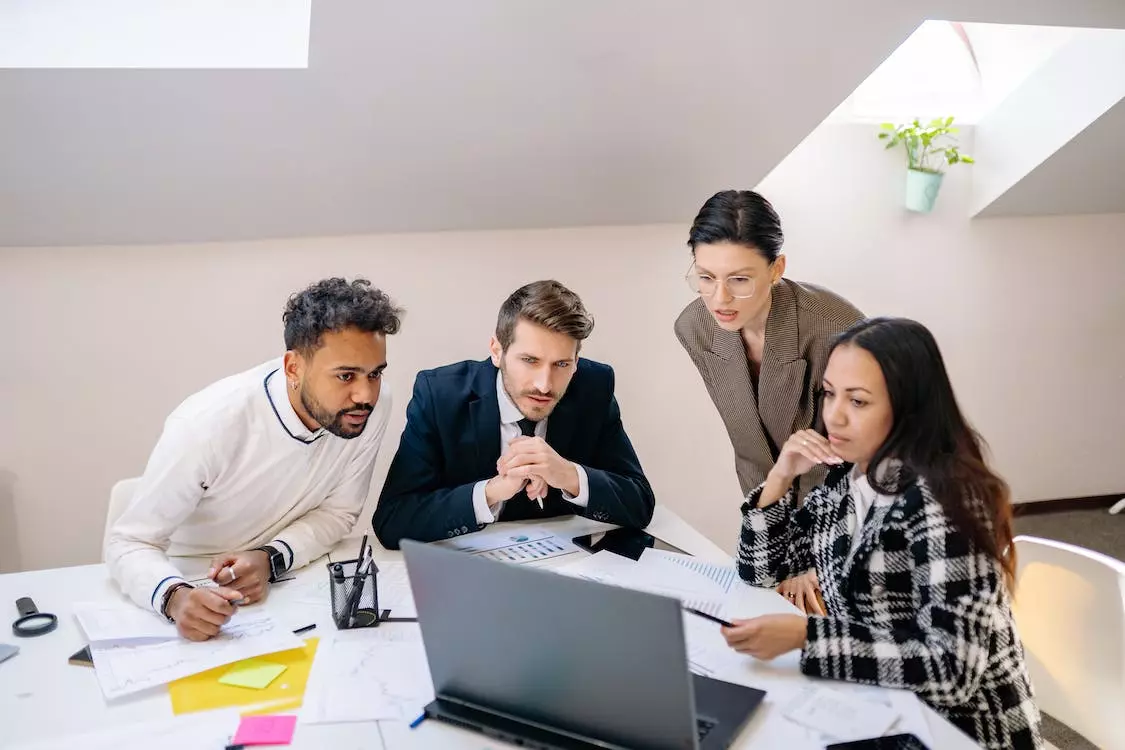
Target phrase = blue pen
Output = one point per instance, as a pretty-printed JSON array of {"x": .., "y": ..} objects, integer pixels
[{"x": 418, "y": 721}]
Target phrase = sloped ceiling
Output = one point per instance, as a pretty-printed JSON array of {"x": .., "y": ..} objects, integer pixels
[
  {"x": 1085, "y": 176},
  {"x": 444, "y": 114}
]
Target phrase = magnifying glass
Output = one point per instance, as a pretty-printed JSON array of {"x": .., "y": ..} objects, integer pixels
[{"x": 31, "y": 621}]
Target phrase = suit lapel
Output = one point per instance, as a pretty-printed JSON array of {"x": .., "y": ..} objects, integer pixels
[
  {"x": 782, "y": 378},
  {"x": 484, "y": 415},
  {"x": 730, "y": 375}
]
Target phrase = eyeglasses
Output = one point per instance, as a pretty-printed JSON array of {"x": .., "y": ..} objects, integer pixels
[{"x": 705, "y": 285}]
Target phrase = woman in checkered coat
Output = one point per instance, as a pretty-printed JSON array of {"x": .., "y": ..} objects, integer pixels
[{"x": 910, "y": 537}]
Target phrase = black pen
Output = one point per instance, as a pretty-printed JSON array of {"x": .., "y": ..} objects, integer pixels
[
  {"x": 362, "y": 550},
  {"x": 710, "y": 617},
  {"x": 305, "y": 629}
]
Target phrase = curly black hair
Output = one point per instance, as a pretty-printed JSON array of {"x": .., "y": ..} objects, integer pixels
[{"x": 333, "y": 305}]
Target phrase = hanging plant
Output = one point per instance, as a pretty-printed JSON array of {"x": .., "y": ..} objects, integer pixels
[{"x": 930, "y": 149}]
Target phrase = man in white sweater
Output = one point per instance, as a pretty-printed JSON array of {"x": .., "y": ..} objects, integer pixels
[{"x": 265, "y": 470}]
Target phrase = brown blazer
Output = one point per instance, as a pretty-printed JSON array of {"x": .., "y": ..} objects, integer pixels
[{"x": 802, "y": 322}]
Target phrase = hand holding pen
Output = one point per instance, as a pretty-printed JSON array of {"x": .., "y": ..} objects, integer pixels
[{"x": 249, "y": 572}]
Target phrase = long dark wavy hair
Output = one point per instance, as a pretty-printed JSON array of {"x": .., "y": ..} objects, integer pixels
[{"x": 931, "y": 437}]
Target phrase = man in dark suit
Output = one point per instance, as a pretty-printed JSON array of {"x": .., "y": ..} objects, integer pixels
[{"x": 532, "y": 433}]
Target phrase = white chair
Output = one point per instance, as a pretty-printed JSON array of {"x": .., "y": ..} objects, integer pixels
[
  {"x": 1070, "y": 611},
  {"x": 119, "y": 497}
]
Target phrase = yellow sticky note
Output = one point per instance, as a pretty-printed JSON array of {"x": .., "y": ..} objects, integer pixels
[
  {"x": 204, "y": 691},
  {"x": 253, "y": 673}
]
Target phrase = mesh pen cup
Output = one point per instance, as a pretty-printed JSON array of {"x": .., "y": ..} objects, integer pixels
[{"x": 355, "y": 597}]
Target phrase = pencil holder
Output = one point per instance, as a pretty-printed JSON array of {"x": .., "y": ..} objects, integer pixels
[{"x": 355, "y": 597}]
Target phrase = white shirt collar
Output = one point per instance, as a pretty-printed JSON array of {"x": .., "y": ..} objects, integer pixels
[
  {"x": 279, "y": 399},
  {"x": 509, "y": 412},
  {"x": 862, "y": 487}
]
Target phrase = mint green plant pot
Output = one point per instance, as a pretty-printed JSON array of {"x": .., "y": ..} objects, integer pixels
[{"x": 922, "y": 190}]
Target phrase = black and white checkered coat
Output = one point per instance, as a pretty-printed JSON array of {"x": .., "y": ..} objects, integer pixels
[{"x": 918, "y": 606}]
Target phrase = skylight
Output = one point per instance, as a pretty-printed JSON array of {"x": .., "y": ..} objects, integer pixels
[
  {"x": 945, "y": 68},
  {"x": 154, "y": 33}
]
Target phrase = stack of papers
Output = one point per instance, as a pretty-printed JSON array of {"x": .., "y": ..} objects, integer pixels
[{"x": 134, "y": 651}]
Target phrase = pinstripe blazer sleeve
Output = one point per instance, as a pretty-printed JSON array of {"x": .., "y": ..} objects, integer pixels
[
  {"x": 943, "y": 652},
  {"x": 775, "y": 540}
]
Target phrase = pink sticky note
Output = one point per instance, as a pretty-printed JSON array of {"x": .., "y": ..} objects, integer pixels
[{"x": 265, "y": 730}]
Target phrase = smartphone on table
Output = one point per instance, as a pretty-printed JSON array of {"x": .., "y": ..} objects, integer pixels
[
  {"x": 890, "y": 742},
  {"x": 625, "y": 542}
]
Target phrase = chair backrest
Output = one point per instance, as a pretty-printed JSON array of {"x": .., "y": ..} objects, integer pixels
[
  {"x": 119, "y": 498},
  {"x": 1070, "y": 611}
]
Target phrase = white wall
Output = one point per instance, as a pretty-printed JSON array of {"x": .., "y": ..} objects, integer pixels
[{"x": 100, "y": 343}]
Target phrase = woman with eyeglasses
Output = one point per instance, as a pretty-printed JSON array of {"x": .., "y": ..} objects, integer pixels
[{"x": 759, "y": 341}]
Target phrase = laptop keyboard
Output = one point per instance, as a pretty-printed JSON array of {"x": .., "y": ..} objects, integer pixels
[{"x": 703, "y": 727}]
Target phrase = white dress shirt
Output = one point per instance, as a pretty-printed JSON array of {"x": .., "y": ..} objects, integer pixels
[
  {"x": 235, "y": 469},
  {"x": 510, "y": 416}
]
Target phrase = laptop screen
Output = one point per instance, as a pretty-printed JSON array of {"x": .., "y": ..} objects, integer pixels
[{"x": 589, "y": 659}]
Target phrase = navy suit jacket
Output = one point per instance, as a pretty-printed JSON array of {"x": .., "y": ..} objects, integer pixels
[{"x": 452, "y": 441}]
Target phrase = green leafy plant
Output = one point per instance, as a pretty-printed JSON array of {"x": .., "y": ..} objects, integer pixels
[{"x": 929, "y": 148}]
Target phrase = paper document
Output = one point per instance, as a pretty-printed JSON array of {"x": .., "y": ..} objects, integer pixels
[
  {"x": 123, "y": 669},
  {"x": 840, "y": 716},
  {"x": 911, "y": 716},
  {"x": 367, "y": 675},
  {"x": 653, "y": 576},
  {"x": 516, "y": 545},
  {"x": 599, "y": 566},
  {"x": 211, "y": 730},
  {"x": 708, "y": 652},
  {"x": 115, "y": 623},
  {"x": 723, "y": 576},
  {"x": 394, "y": 589}
]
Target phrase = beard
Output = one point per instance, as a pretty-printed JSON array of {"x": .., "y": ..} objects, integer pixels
[
  {"x": 334, "y": 423},
  {"x": 514, "y": 395}
]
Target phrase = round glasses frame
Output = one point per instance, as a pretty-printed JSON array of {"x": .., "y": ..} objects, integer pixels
[{"x": 707, "y": 288}]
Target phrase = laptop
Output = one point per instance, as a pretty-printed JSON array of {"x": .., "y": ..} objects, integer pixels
[{"x": 543, "y": 660}]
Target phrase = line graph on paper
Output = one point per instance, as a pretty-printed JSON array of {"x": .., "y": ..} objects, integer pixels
[
  {"x": 377, "y": 674},
  {"x": 123, "y": 669}
]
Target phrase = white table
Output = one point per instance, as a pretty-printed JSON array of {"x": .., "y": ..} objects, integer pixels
[{"x": 43, "y": 696}]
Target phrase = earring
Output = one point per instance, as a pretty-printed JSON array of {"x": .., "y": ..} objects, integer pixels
[{"x": 293, "y": 385}]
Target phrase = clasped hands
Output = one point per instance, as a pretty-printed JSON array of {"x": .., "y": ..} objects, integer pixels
[{"x": 533, "y": 466}]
